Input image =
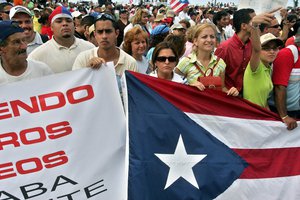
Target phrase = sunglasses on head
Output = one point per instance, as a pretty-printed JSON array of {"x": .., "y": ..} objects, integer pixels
[
  {"x": 164, "y": 58},
  {"x": 105, "y": 16}
]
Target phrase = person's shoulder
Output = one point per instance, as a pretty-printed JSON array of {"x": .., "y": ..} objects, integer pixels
[
  {"x": 84, "y": 43},
  {"x": 126, "y": 55},
  {"x": 39, "y": 66}
]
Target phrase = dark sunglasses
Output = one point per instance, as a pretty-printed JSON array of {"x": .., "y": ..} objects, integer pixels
[
  {"x": 6, "y": 12},
  {"x": 105, "y": 16},
  {"x": 275, "y": 26},
  {"x": 164, "y": 58}
]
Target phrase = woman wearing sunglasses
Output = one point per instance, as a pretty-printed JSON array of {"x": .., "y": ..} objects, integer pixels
[
  {"x": 202, "y": 64},
  {"x": 164, "y": 60}
]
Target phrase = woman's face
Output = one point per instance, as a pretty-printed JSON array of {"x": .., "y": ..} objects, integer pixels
[
  {"x": 144, "y": 18},
  {"x": 269, "y": 52},
  {"x": 165, "y": 66},
  {"x": 138, "y": 46},
  {"x": 206, "y": 40}
]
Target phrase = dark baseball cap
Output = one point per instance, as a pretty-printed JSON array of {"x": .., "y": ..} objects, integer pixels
[{"x": 8, "y": 28}]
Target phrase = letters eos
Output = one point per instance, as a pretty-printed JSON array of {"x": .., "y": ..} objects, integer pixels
[{"x": 39, "y": 103}]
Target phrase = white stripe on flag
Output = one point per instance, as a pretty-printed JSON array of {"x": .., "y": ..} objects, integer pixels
[{"x": 247, "y": 133}]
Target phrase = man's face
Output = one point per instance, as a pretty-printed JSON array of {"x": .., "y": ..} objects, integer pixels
[
  {"x": 274, "y": 28},
  {"x": 63, "y": 28},
  {"x": 15, "y": 48},
  {"x": 5, "y": 13},
  {"x": 105, "y": 34},
  {"x": 224, "y": 21},
  {"x": 25, "y": 22}
]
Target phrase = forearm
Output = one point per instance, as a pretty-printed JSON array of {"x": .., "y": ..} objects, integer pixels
[{"x": 280, "y": 100}]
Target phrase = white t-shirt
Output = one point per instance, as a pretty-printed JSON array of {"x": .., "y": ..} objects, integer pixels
[
  {"x": 57, "y": 57},
  {"x": 142, "y": 65},
  {"x": 176, "y": 78},
  {"x": 34, "y": 69}
]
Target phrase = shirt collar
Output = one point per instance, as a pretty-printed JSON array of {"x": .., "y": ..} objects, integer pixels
[
  {"x": 74, "y": 45},
  {"x": 37, "y": 40}
]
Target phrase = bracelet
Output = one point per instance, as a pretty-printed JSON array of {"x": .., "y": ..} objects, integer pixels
[{"x": 283, "y": 118}]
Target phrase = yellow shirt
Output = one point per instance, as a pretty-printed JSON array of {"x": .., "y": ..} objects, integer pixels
[{"x": 36, "y": 25}]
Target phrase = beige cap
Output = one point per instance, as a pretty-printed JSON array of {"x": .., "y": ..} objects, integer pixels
[
  {"x": 170, "y": 13},
  {"x": 264, "y": 39},
  {"x": 159, "y": 17}
]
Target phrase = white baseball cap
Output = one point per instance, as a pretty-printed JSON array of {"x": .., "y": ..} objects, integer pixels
[{"x": 19, "y": 9}]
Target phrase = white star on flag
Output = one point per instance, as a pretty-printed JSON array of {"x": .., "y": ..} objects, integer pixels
[{"x": 181, "y": 164}]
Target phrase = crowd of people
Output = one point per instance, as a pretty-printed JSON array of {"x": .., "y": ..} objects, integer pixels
[{"x": 239, "y": 52}]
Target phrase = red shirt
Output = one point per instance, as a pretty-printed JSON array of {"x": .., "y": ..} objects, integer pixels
[
  {"x": 46, "y": 30},
  {"x": 236, "y": 55},
  {"x": 283, "y": 66},
  {"x": 290, "y": 41}
]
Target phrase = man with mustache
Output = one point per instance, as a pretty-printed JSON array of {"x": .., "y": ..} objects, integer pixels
[
  {"x": 60, "y": 52},
  {"x": 13, "y": 57},
  {"x": 23, "y": 16}
]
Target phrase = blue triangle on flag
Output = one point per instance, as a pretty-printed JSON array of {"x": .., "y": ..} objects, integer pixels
[{"x": 154, "y": 127}]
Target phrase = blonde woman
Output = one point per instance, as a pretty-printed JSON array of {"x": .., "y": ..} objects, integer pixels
[
  {"x": 202, "y": 62},
  {"x": 140, "y": 18}
]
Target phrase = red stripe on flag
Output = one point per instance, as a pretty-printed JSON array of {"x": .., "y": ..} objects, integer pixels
[
  {"x": 186, "y": 98},
  {"x": 270, "y": 163}
]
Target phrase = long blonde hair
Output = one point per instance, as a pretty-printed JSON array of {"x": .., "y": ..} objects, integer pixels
[{"x": 138, "y": 16}]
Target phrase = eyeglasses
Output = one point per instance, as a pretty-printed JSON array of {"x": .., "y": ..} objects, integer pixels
[
  {"x": 6, "y": 12},
  {"x": 270, "y": 48},
  {"x": 164, "y": 58},
  {"x": 275, "y": 26},
  {"x": 105, "y": 16}
]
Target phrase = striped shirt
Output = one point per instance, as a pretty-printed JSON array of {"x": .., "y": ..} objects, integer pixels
[{"x": 188, "y": 68}]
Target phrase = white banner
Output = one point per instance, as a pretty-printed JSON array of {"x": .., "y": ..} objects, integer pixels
[
  {"x": 63, "y": 137},
  {"x": 262, "y": 6}
]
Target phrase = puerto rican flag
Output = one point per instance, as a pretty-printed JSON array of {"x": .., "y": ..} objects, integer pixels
[
  {"x": 188, "y": 144},
  {"x": 178, "y": 5}
]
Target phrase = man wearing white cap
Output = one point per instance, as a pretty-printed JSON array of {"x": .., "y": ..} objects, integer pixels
[
  {"x": 60, "y": 52},
  {"x": 24, "y": 17}
]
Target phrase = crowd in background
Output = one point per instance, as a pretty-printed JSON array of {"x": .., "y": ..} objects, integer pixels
[{"x": 239, "y": 52}]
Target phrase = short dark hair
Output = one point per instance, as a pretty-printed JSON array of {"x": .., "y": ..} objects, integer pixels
[
  {"x": 262, "y": 27},
  {"x": 241, "y": 16},
  {"x": 161, "y": 46},
  {"x": 3, "y": 5},
  {"x": 87, "y": 21},
  {"x": 178, "y": 41},
  {"x": 105, "y": 17},
  {"x": 218, "y": 16}
]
